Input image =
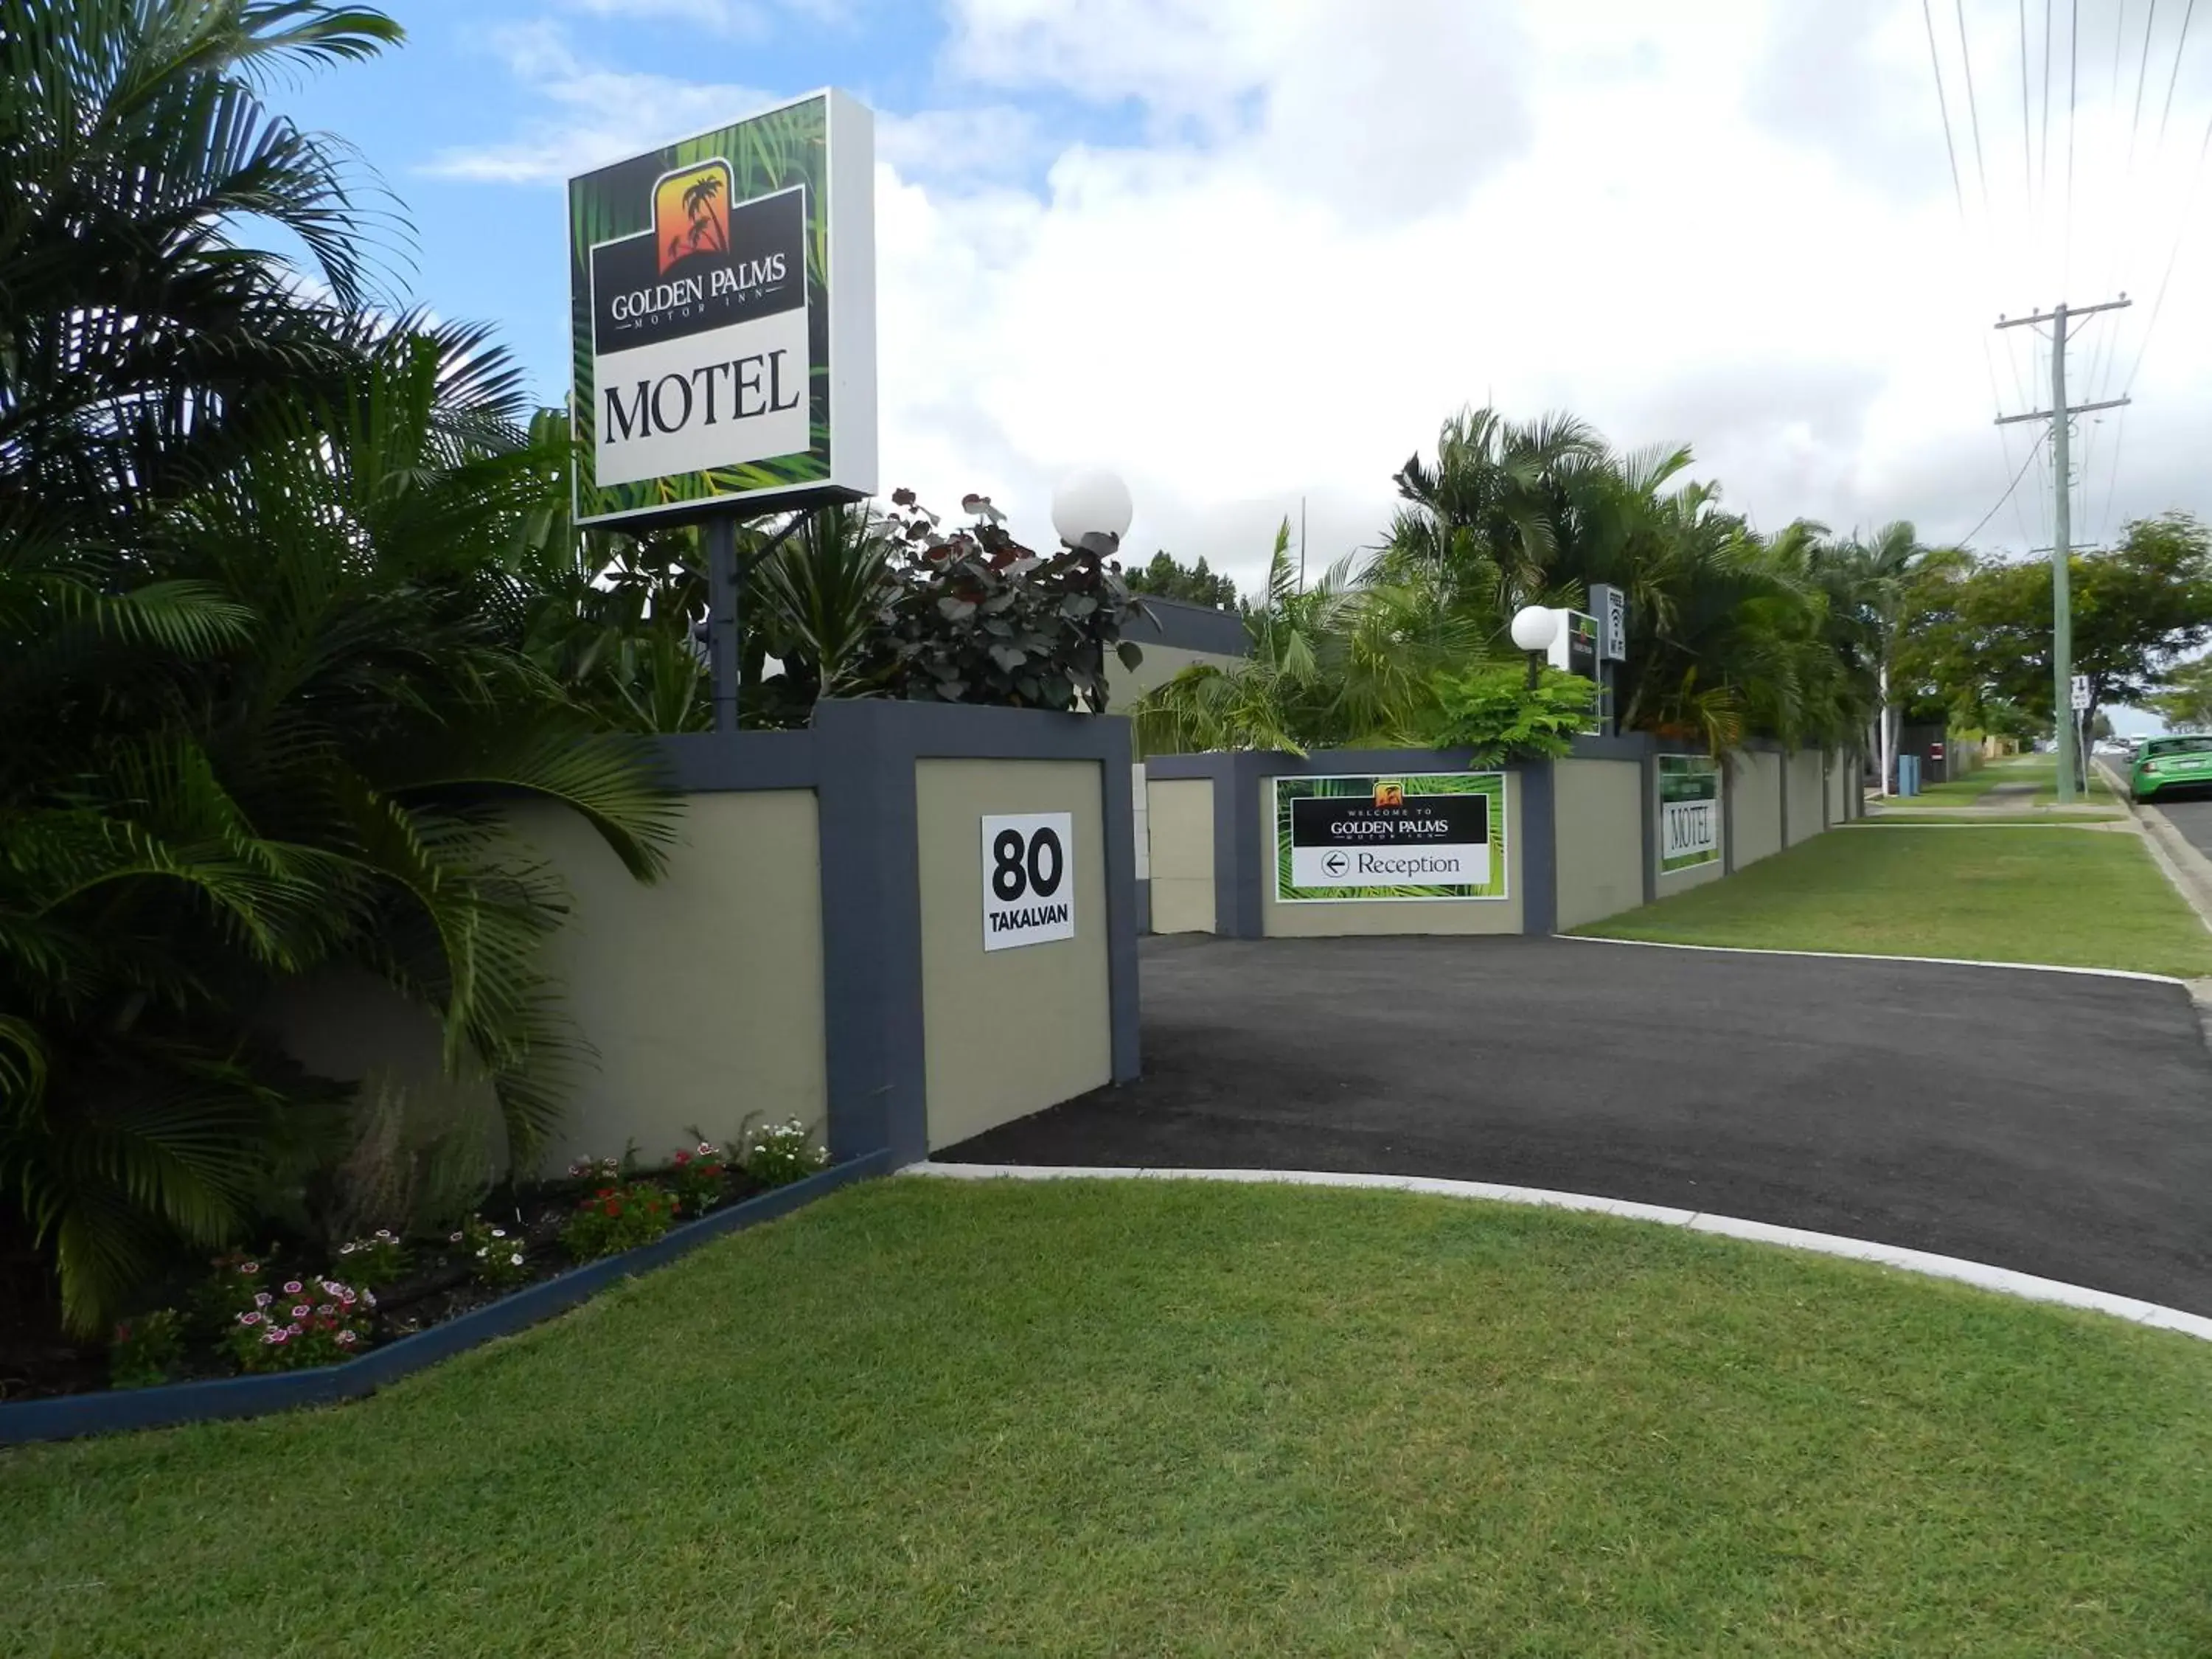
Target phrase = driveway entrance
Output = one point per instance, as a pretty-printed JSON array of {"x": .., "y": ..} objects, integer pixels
[{"x": 2059, "y": 1124}]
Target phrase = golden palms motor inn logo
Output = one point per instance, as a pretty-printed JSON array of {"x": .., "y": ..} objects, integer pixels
[{"x": 699, "y": 330}]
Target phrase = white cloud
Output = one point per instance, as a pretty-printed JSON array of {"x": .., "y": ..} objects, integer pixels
[
  {"x": 1729, "y": 221},
  {"x": 600, "y": 119},
  {"x": 750, "y": 19}
]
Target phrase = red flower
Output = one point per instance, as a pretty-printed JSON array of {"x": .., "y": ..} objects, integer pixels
[{"x": 681, "y": 1158}]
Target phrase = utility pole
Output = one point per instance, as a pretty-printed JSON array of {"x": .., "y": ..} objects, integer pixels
[{"x": 2060, "y": 414}]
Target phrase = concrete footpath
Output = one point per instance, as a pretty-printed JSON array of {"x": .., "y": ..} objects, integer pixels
[{"x": 2057, "y": 1124}]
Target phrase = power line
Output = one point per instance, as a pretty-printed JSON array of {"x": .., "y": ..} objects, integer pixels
[
  {"x": 2027, "y": 130},
  {"x": 1943, "y": 105},
  {"x": 2173, "y": 80},
  {"x": 1973, "y": 112},
  {"x": 2142, "y": 69},
  {"x": 2180, "y": 235},
  {"x": 2046, "y": 97},
  {"x": 1959, "y": 195},
  {"x": 2033, "y": 450}
]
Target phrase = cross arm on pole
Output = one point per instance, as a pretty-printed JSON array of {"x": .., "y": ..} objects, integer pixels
[
  {"x": 2072, "y": 312},
  {"x": 2071, "y": 409}
]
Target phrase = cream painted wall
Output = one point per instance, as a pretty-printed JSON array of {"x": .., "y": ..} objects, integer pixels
[
  {"x": 702, "y": 993},
  {"x": 1756, "y": 778},
  {"x": 1325, "y": 918},
  {"x": 1007, "y": 1032},
  {"x": 1598, "y": 807},
  {"x": 1840, "y": 771},
  {"x": 1807, "y": 781},
  {"x": 1181, "y": 820},
  {"x": 1162, "y": 663}
]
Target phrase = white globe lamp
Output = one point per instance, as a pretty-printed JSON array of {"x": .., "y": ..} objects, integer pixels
[
  {"x": 1534, "y": 628},
  {"x": 1091, "y": 510}
]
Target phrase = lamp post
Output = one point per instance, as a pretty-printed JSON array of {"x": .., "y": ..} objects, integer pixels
[
  {"x": 1534, "y": 628},
  {"x": 1091, "y": 513}
]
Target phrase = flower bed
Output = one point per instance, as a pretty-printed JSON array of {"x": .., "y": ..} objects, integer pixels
[{"x": 273, "y": 1310}]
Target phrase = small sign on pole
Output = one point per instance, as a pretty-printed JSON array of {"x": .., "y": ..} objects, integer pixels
[
  {"x": 1610, "y": 605},
  {"x": 2081, "y": 694}
]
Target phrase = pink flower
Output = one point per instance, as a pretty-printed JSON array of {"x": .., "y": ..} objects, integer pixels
[
  {"x": 249, "y": 1319},
  {"x": 345, "y": 1339},
  {"x": 455, "y": 1239},
  {"x": 302, "y": 1311},
  {"x": 293, "y": 1329},
  {"x": 261, "y": 1299},
  {"x": 291, "y": 1287},
  {"x": 271, "y": 1337},
  {"x": 249, "y": 1266},
  {"x": 326, "y": 1310}
]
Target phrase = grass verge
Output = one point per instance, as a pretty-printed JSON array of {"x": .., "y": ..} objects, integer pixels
[
  {"x": 2031, "y": 819},
  {"x": 2081, "y": 899},
  {"x": 926, "y": 1418}
]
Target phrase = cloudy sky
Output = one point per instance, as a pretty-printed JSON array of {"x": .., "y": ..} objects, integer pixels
[{"x": 1251, "y": 253}]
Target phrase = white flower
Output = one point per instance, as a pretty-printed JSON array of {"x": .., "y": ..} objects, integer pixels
[
  {"x": 499, "y": 1232},
  {"x": 516, "y": 1258}
]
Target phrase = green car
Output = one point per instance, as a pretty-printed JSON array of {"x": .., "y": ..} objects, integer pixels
[{"x": 2164, "y": 765}]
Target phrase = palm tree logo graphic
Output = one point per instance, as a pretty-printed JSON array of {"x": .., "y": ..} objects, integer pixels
[{"x": 693, "y": 214}]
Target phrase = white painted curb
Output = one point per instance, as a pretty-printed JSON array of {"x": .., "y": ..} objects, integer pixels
[
  {"x": 2003, "y": 1280},
  {"x": 1870, "y": 956}
]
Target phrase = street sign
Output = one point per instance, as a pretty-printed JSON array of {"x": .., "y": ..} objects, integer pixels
[{"x": 2081, "y": 694}]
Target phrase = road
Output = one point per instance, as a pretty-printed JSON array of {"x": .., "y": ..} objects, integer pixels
[
  {"x": 2193, "y": 818},
  {"x": 2058, "y": 1124}
]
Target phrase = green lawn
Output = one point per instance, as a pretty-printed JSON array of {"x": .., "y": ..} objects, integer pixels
[
  {"x": 2031, "y": 819},
  {"x": 2079, "y": 898},
  {"x": 2038, "y": 770},
  {"x": 923, "y": 1419}
]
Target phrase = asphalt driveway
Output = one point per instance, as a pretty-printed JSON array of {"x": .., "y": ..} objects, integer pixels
[{"x": 2059, "y": 1124}]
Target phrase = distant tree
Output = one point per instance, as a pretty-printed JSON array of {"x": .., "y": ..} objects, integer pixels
[
  {"x": 2183, "y": 699},
  {"x": 1167, "y": 578},
  {"x": 2137, "y": 608}
]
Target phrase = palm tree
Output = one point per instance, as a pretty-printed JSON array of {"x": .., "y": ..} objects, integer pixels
[
  {"x": 1487, "y": 517},
  {"x": 258, "y": 578},
  {"x": 1869, "y": 580},
  {"x": 289, "y": 750},
  {"x": 1348, "y": 661},
  {"x": 141, "y": 328}
]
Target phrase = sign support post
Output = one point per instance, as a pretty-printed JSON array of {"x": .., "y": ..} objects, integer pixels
[{"x": 721, "y": 535}]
